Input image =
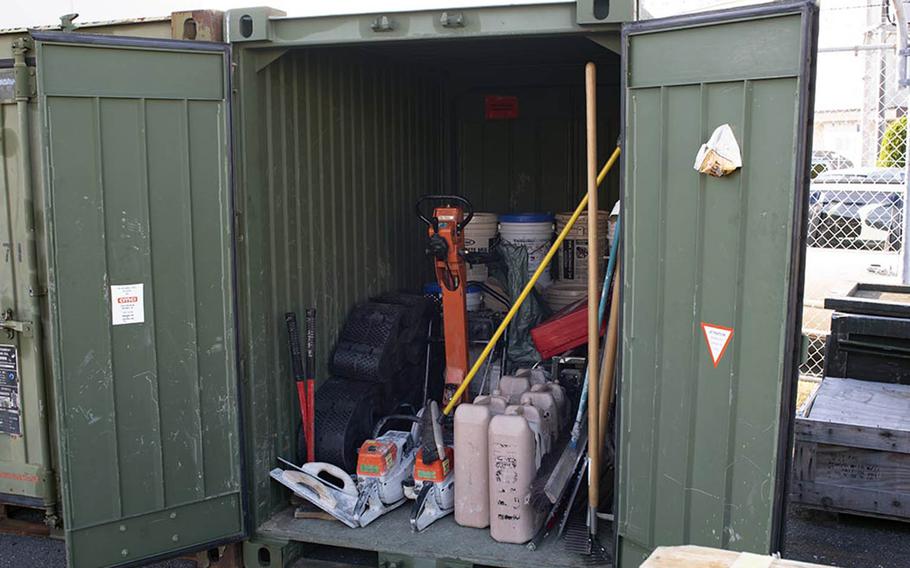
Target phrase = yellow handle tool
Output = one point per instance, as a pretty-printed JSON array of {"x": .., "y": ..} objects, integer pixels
[{"x": 528, "y": 287}]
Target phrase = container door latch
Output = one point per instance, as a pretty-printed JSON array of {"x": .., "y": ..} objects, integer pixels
[{"x": 12, "y": 327}]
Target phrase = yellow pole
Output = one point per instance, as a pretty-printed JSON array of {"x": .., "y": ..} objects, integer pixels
[{"x": 528, "y": 287}]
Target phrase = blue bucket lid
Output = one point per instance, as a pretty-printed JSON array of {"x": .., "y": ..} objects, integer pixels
[
  {"x": 433, "y": 288},
  {"x": 526, "y": 218}
]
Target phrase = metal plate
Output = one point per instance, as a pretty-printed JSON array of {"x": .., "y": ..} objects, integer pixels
[{"x": 10, "y": 400}]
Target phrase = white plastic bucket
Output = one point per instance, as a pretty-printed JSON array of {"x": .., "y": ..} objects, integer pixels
[
  {"x": 534, "y": 231},
  {"x": 473, "y": 297},
  {"x": 614, "y": 217},
  {"x": 477, "y": 237},
  {"x": 573, "y": 254},
  {"x": 563, "y": 293}
]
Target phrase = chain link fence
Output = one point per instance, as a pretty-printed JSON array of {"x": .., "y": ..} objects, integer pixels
[{"x": 859, "y": 154}]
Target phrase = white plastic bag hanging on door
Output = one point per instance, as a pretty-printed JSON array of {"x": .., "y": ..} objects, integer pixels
[{"x": 720, "y": 155}]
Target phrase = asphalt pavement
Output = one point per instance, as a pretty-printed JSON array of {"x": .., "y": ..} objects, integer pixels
[
  {"x": 849, "y": 541},
  {"x": 42, "y": 552}
]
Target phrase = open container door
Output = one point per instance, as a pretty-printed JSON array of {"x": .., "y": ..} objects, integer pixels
[
  {"x": 712, "y": 276},
  {"x": 135, "y": 141}
]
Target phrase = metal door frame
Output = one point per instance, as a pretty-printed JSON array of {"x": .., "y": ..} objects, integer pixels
[
  {"x": 130, "y": 42},
  {"x": 808, "y": 10}
]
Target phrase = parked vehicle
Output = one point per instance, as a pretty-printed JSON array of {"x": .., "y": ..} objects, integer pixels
[
  {"x": 827, "y": 160},
  {"x": 857, "y": 207}
]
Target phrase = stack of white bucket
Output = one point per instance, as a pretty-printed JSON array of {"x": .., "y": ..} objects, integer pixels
[
  {"x": 573, "y": 255},
  {"x": 534, "y": 231},
  {"x": 501, "y": 440},
  {"x": 572, "y": 260},
  {"x": 478, "y": 234}
]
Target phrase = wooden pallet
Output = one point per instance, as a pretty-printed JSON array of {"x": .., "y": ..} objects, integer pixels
[
  {"x": 703, "y": 557},
  {"x": 10, "y": 524},
  {"x": 852, "y": 451}
]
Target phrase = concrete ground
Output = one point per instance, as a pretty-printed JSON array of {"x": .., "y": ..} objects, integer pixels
[{"x": 833, "y": 272}]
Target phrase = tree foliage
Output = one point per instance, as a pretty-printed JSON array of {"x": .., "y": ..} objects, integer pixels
[{"x": 893, "y": 151}]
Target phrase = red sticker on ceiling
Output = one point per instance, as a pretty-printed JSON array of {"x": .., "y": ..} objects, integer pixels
[{"x": 718, "y": 339}]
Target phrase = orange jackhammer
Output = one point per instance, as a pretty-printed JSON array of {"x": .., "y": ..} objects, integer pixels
[{"x": 445, "y": 244}]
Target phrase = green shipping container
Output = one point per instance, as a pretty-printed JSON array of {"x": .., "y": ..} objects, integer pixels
[{"x": 187, "y": 194}]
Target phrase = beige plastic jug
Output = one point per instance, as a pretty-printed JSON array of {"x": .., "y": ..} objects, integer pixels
[
  {"x": 513, "y": 386},
  {"x": 559, "y": 398},
  {"x": 512, "y": 469},
  {"x": 495, "y": 401},
  {"x": 535, "y": 375},
  {"x": 472, "y": 469},
  {"x": 562, "y": 401},
  {"x": 542, "y": 399},
  {"x": 539, "y": 426}
]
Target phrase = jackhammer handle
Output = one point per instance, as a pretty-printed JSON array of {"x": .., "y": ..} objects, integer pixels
[
  {"x": 469, "y": 209},
  {"x": 290, "y": 319},
  {"x": 310, "y": 343}
]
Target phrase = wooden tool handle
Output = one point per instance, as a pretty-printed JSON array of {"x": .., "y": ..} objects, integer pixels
[
  {"x": 609, "y": 360},
  {"x": 593, "y": 287}
]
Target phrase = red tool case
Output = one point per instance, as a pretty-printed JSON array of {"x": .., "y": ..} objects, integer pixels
[{"x": 567, "y": 329}]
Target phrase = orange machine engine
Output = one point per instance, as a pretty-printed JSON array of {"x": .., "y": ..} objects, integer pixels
[
  {"x": 436, "y": 471},
  {"x": 376, "y": 457}
]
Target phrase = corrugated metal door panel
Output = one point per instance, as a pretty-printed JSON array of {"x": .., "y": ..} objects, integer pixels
[
  {"x": 703, "y": 447},
  {"x": 139, "y": 193},
  {"x": 25, "y": 456},
  {"x": 337, "y": 145}
]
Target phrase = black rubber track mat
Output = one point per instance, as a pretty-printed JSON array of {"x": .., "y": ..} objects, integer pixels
[{"x": 345, "y": 414}]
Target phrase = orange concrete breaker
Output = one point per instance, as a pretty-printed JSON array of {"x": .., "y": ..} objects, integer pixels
[{"x": 445, "y": 244}]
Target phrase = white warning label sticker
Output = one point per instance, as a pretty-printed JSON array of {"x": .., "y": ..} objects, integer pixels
[
  {"x": 718, "y": 338},
  {"x": 127, "y": 304}
]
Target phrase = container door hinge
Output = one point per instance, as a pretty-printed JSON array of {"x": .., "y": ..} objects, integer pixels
[
  {"x": 23, "y": 74},
  {"x": 452, "y": 20},
  {"x": 383, "y": 24},
  {"x": 12, "y": 327}
]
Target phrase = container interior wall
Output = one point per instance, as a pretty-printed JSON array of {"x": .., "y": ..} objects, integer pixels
[
  {"x": 339, "y": 150},
  {"x": 336, "y": 146},
  {"x": 534, "y": 162}
]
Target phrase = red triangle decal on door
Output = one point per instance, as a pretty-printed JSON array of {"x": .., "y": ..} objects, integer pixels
[{"x": 718, "y": 338}]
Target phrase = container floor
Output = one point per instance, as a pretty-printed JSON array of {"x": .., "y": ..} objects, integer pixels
[{"x": 442, "y": 540}]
